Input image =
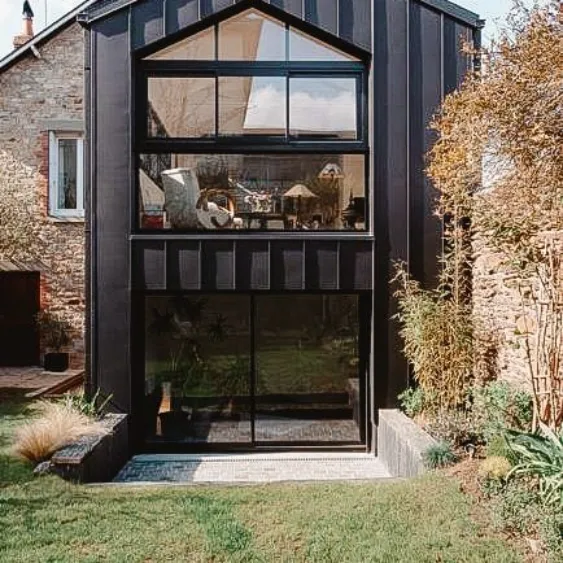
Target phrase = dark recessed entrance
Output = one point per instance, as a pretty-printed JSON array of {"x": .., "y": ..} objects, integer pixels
[
  {"x": 19, "y": 304},
  {"x": 254, "y": 370}
]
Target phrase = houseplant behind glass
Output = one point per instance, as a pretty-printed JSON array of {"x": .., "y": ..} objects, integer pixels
[{"x": 54, "y": 331}]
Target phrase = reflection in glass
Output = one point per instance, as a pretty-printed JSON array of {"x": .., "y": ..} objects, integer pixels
[
  {"x": 251, "y": 36},
  {"x": 197, "y": 368},
  {"x": 306, "y": 48},
  {"x": 181, "y": 107},
  {"x": 323, "y": 107},
  {"x": 198, "y": 47},
  {"x": 67, "y": 174},
  {"x": 256, "y": 192},
  {"x": 252, "y": 105},
  {"x": 307, "y": 369}
]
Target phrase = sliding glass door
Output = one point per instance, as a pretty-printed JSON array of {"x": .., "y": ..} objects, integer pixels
[
  {"x": 240, "y": 370},
  {"x": 307, "y": 377}
]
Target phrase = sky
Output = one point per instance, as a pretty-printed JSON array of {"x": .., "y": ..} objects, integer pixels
[{"x": 494, "y": 11}]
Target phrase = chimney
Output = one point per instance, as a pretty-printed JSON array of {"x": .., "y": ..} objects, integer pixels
[{"x": 27, "y": 27}]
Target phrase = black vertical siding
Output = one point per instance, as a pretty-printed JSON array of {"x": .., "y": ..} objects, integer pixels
[
  {"x": 348, "y": 19},
  {"x": 395, "y": 184},
  {"x": 425, "y": 62},
  {"x": 294, "y": 7},
  {"x": 111, "y": 160},
  {"x": 218, "y": 265},
  {"x": 353, "y": 18},
  {"x": 321, "y": 265},
  {"x": 253, "y": 266},
  {"x": 183, "y": 265},
  {"x": 147, "y": 23},
  {"x": 323, "y": 14},
  {"x": 416, "y": 59},
  {"x": 149, "y": 270},
  {"x": 180, "y": 14}
]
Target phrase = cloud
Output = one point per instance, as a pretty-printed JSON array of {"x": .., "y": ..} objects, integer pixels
[{"x": 309, "y": 111}]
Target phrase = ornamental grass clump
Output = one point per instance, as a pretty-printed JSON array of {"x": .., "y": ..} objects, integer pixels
[{"x": 57, "y": 425}]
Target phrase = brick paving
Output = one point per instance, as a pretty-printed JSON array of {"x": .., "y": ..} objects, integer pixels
[{"x": 251, "y": 468}]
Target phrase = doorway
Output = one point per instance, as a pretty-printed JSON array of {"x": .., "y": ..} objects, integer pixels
[
  {"x": 19, "y": 305},
  {"x": 268, "y": 370}
]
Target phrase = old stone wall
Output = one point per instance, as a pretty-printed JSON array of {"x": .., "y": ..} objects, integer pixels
[
  {"x": 502, "y": 303},
  {"x": 35, "y": 91}
]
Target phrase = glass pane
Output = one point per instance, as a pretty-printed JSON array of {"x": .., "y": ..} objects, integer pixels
[
  {"x": 67, "y": 174},
  {"x": 252, "y": 36},
  {"x": 197, "y": 369},
  {"x": 252, "y": 105},
  {"x": 198, "y": 47},
  {"x": 307, "y": 369},
  {"x": 181, "y": 107},
  {"x": 323, "y": 107},
  {"x": 255, "y": 192},
  {"x": 306, "y": 48}
]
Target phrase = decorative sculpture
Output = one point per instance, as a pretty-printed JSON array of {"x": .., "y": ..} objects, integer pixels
[{"x": 181, "y": 194}]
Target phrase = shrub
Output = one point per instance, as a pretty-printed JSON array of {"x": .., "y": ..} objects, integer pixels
[
  {"x": 540, "y": 457},
  {"x": 498, "y": 446},
  {"x": 57, "y": 425},
  {"x": 497, "y": 407},
  {"x": 438, "y": 341},
  {"x": 518, "y": 508},
  {"x": 412, "y": 401},
  {"x": 455, "y": 428},
  {"x": 494, "y": 468},
  {"x": 93, "y": 408},
  {"x": 439, "y": 455}
]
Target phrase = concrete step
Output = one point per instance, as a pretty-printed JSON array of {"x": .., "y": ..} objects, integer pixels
[{"x": 251, "y": 468}]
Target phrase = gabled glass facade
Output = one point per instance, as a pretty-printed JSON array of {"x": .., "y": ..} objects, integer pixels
[{"x": 251, "y": 125}]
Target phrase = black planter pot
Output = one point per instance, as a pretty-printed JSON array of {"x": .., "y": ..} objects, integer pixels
[{"x": 56, "y": 361}]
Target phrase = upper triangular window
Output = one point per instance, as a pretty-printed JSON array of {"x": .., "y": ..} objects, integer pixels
[{"x": 251, "y": 36}]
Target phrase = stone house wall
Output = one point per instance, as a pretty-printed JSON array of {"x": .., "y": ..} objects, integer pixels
[
  {"x": 500, "y": 303},
  {"x": 33, "y": 93}
]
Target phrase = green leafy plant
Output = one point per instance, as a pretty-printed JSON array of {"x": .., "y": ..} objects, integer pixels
[
  {"x": 439, "y": 455},
  {"x": 497, "y": 407},
  {"x": 540, "y": 457},
  {"x": 412, "y": 401},
  {"x": 95, "y": 407},
  {"x": 454, "y": 427},
  {"x": 437, "y": 332},
  {"x": 498, "y": 446}
]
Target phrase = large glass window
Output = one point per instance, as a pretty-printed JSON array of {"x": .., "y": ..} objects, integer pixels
[
  {"x": 181, "y": 107},
  {"x": 240, "y": 369},
  {"x": 252, "y": 105},
  {"x": 308, "y": 192},
  {"x": 279, "y": 116},
  {"x": 325, "y": 107}
]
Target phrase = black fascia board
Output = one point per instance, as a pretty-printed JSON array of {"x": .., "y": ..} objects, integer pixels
[{"x": 451, "y": 9}]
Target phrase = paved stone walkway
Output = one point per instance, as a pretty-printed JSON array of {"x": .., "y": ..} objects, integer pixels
[{"x": 251, "y": 468}]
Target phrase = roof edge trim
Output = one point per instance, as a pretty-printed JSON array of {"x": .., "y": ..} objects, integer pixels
[
  {"x": 450, "y": 8},
  {"x": 455, "y": 11}
]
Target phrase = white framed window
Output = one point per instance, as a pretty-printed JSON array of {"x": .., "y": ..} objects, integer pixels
[{"x": 66, "y": 182}]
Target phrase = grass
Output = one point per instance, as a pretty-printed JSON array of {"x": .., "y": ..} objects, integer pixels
[
  {"x": 425, "y": 520},
  {"x": 280, "y": 370}
]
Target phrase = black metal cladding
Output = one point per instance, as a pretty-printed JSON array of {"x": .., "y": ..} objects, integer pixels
[{"x": 416, "y": 60}]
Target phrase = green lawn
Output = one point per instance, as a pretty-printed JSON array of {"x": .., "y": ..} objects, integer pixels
[{"x": 425, "y": 520}]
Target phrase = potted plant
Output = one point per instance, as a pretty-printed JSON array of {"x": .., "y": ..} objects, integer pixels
[{"x": 54, "y": 331}]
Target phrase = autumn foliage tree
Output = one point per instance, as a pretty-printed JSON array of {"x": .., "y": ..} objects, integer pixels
[{"x": 498, "y": 166}]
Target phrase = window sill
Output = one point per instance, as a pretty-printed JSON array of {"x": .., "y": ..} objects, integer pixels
[{"x": 53, "y": 218}]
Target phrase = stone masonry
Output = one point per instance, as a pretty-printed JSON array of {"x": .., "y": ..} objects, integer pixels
[
  {"x": 498, "y": 304},
  {"x": 33, "y": 92}
]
